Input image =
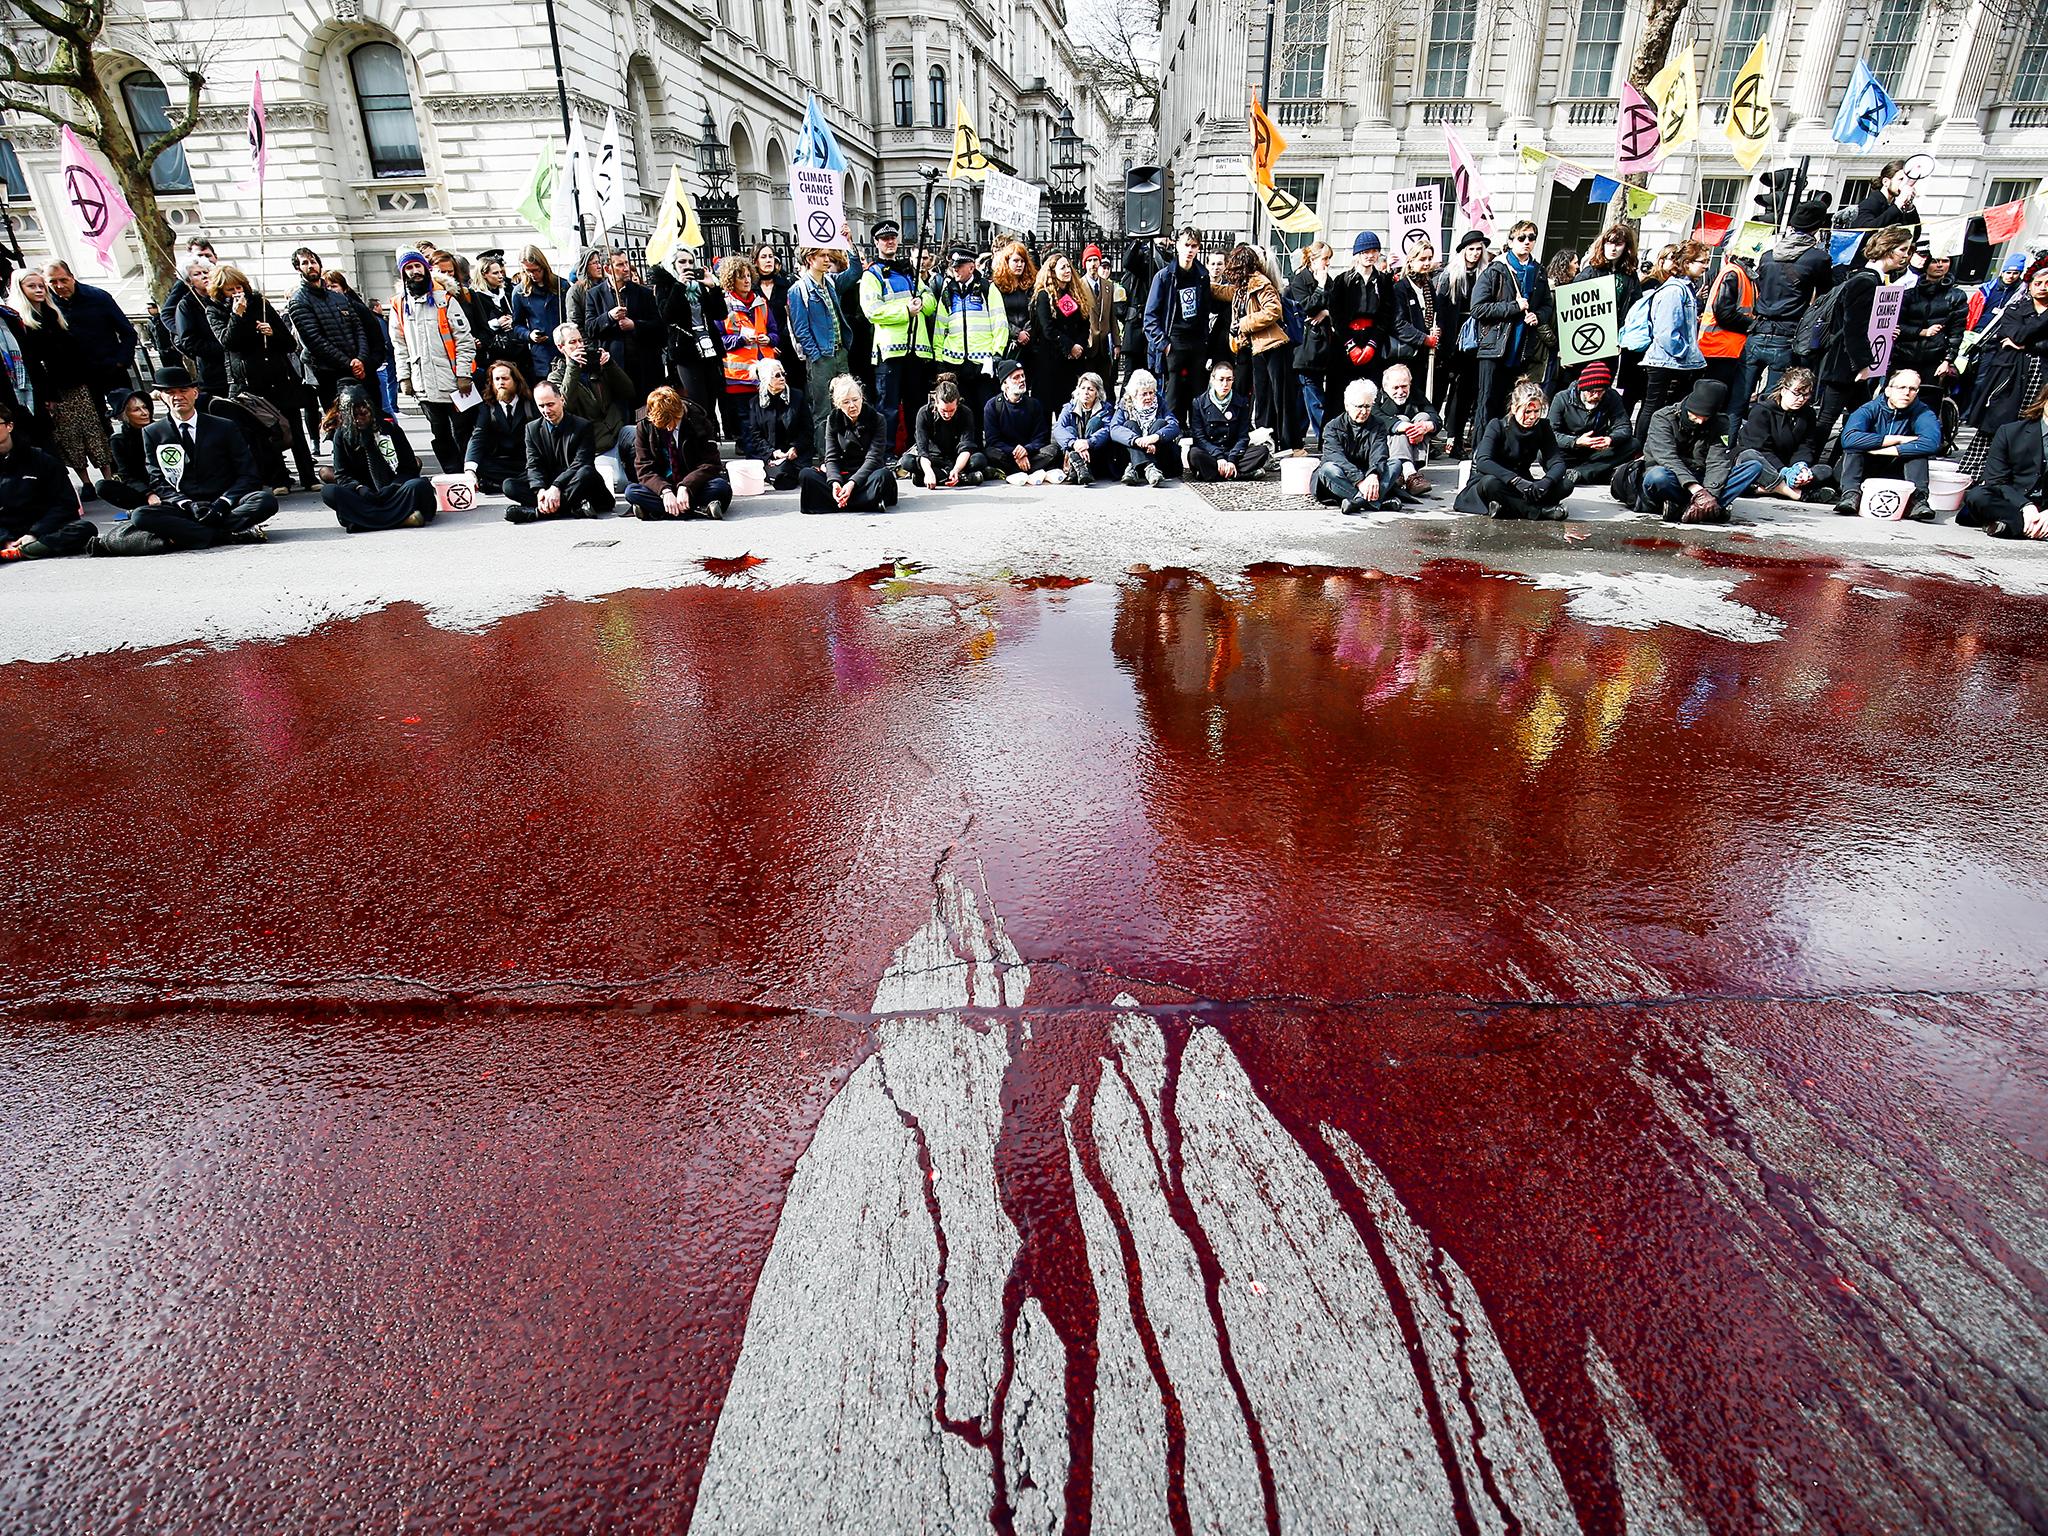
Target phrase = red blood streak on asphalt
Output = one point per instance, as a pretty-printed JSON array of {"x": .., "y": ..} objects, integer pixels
[{"x": 410, "y": 1119}]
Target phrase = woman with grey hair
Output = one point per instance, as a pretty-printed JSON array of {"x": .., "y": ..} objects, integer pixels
[
  {"x": 1147, "y": 430},
  {"x": 778, "y": 426},
  {"x": 856, "y": 475}
]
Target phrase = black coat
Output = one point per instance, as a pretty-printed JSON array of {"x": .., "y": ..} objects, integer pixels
[
  {"x": 1496, "y": 310},
  {"x": 1410, "y": 343},
  {"x": 1054, "y": 335},
  {"x": 194, "y": 333},
  {"x": 1008, "y": 425},
  {"x": 854, "y": 447},
  {"x": 256, "y": 364},
  {"x": 1356, "y": 449},
  {"x": 559, "y": 455},
  {"x": 1571, "y": 420},
  {"x": 781, "y": 423},
  {"x": 1317, "y": 348},
  {"x": 1848, "y": 350},
  {"x": 1225, "y": 431},
  {"x": 640, "y": 349},
  {"x": 943, "y": 441},
  {"x": 683, "y": 333},
  {"x": 334, "y": 328},
  {"x": 220, "y": 465},
  {"x": 1788, "y": 437},
  {"x": 1454, "y": 301},
  {"x": 497, "y": 439},
  {"x": 1361, "y": 305},
  {"x": 361, "y": 465},
  {"x": 1785, "y": 289},
  {"x": 2001, "y": 371},
  {"x": 36, "y": 496},
  {"x": 56, "y": 364},
  {"x": 2017, "y": 465},
  {"x": 664, "y": 458},
  {"x": 1507, "y": 449}
]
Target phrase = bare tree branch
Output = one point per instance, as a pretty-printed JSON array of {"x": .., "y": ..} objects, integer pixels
[
  {"x": 35, "y": 108},
  {"x": 178, "y": 131},
  {"x": 65, "y": 22}
]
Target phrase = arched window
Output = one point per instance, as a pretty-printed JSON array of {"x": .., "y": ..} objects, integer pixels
[
  {"x": 839, "y": 70},
  {"x": 149, "y": 115},
  {"x": 906, "y": 215},
  {"x": 857, "y": 102},
  {"x": 940, "y": 228},
  {"x": 385, "y": 96},
  {"x": 817, "y": 55},
  {"x": 899, "y": 94},
  {"x": 940, "y": 115}
]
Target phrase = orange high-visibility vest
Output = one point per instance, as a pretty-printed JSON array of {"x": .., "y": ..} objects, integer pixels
[
  {"x": 1714, "y": 341},
  {"x": 741, "y": 354}
]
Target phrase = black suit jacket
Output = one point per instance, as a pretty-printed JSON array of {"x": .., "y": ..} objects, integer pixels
[
  {"x": 2017, "y": 464},
  {"x": 220, "y": 463},
  {"x": 497, "y": 443},
  {"x": 559, "y": 456}
]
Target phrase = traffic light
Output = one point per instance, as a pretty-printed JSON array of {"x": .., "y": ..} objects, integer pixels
[{"x": 1781, "y": 191}]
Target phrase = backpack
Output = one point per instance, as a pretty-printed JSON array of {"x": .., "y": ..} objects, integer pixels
[
  {"x": 1635, "y": 329},
  {"x": 1811, "y": 339},
  {"x": 1291, "y": 317}
]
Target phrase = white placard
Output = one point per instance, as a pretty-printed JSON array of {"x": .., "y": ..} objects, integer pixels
[
  {"x": 1010, "y": 202},
  {"x": 819, "y": 199},
  {"x": 1415, "y": 218}
]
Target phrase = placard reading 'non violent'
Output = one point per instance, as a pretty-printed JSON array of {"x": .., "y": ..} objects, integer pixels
[{"x": 1586, "y": 324}]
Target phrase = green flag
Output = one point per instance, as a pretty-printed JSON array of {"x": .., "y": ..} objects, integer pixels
[{"x": 538, "y": 205}]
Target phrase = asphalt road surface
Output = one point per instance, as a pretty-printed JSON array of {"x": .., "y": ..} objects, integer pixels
[{"x": 1034, "y": 1015}]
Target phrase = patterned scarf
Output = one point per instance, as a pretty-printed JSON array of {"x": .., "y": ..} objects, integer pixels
[{"x": 1426, "y": 292}]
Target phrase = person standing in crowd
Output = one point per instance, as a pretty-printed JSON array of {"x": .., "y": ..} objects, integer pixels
[
  {"x": 597, "y": 392},
  {"x": 1016, "y": 430},
  {"x": 40, "y": 517},
  {"x": 1790, "y": 277},
  {"x": 1510, "y": 300},
  {"x": 1408, "y": 423},
  {"x": 1889, "y": 202},
  {"x": 1893, "y": 437},
  {"x": 2011, "y": 361},
  {"x": 1413, "y": 332},
  {"x": 1313, "y": 355},
  {"x": 897, "y": 309},
  {"x": 1361, "y": 313},
  {"x": 257, "y": 346},
  {"x": 854, "y": 474},
  {"x": 1219, "y": 442},
  {"x": 1144, "y": 259},
  {"x": 376, "y": 339},
  {"x": 970, "y": 329},
  {"x": 1672, "y": 361},
  {"x": 1613, "y": 258},
  {"x": 818, "y": 331},
  {"x": 625, "y": 321},
  {"x": 561, "y": 478},
  {"x": 1591, "y": 422},
  {"x": 1688, "y": 473},
  {"x": 2010, "y": 498},
  {"x": 1062, "y": 319},
  {"x": 537, "y": 310},
  {"x": 1105, "y": 307},
  {"x": 98, "y": 329},
  {"x": 945, "y": 447},
  {"x": 1177, "y": 322},
  {"x": 1989, "y": 298},
  {"x": 63, "y": 387},
  {"x": 434, "y": 355},
  {"x": 128, "y": 486},
  {"x": 334, "y": 334},
  {"x": 196, "y": 342},
  {"x": 1780, "y": 436},
  {"x": 694, "y": 311},
  {"x": 1464, "y": 410},
  {"x": 773, "y": 284},
  {"x": 1146, "y": 430},
  {"x": 17, "y": 382},
  {"x": 204, "y": 488},
  {"x": 677, "y": 471},
  {"x": 497, "y": 441},
  {"x": 451, "y": 276},
  {"x": 491, "y": 310},
  {"x": 1354, "y": 476},
  {"x": 1931, "y": 326},
  {"x": 780, "y": 427},
  {"x": 1729, "y": 317},
  {"x": 750, "y": 340},
  {"x": 1258, "y": 343},
  {"x": 374, "y": 480},
  {"x": 1518, "y": 469},
  {"x": 1014, "y": 275},
  {"x": 1081, "y": 433},
  {"x": 589, "y": 273},
  {"x": 1847, "y": 357}
]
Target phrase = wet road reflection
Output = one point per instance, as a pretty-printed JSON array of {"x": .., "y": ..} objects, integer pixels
[{"x": 1144, "y": 1058}]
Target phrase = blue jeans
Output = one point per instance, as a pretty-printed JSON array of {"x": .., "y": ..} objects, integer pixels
[
  {"x": 1765, "y": 357},
  {"x": 1312, "y": 400},
  {"x": 1664, "y": 493}
]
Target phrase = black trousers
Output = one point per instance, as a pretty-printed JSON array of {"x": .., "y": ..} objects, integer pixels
[
  {"x": 710, "y": 495},
  {"x": 1837, "y": 401},
  {"x": 1459, "y": 380},
  {"x": 1047, "y": 457},
  {"x": 450, "y": 433},
  {"x": 588, "y": 495},
  {"x": 1269, "y": 378},
  {"x": 1998, "y": 509},
  {"x": 874, "y": 491},
  {"x": 180, "y": 522},
  {"x": 1595, "y": 468},
  {"x": 1186, "y": 377},
  {"x": 1103, "y": 463},
  {"x": 1661, "y": 386},
  {"x": 1496, "y": 376},
  {"x": 69, "y": 539},
  {"x": 1513, "y": 503},
  {"x": 1202, "y": 464},
  {"x": 120, "y": 495},
  {"x": 784, "y": 476},
  {"x": 361, "y": 511},
  {"x": 975, "y": 472},
  {"x": 1166, "y": 456}
]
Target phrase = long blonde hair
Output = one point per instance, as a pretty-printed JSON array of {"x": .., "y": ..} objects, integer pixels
[{"x": 1077, "y": 290}]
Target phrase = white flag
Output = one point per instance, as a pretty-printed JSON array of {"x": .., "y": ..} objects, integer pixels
[
  {"x": 1945, "y": 236},
  {"x": 607, "y": 175},
  {"x": 577, "y": 175}
]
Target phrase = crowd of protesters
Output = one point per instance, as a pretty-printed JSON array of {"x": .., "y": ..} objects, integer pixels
[{"x": 847, "y": 381}]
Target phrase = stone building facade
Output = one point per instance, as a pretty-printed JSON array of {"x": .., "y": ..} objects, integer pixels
[
  {"x": 391, "y": 121},
  {"x": 1364, "y": 90}
]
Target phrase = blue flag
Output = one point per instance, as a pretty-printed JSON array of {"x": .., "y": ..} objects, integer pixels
[
  {"x": 1866, "y": 111},
  {"x": 815, "y": 145},
  {"x": 1843, "y": 245},
  {"x": 1602, "y": 190}
]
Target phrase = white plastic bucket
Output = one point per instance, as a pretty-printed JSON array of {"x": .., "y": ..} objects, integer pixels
[
  {"x": 749, "y": 477},
  {"x": 1945, "y": 490},
  {"x": 1886, "y": 499},
  {"x": 454, "y": 493},
  {"x": 1298, "y": 475}
]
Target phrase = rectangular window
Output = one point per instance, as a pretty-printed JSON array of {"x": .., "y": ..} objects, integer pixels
[
  {"x": 1747, "y": 21},
  {"x": 2030, "y": 79},
  {"x": 1573, "y": 221},
  {"x": 1597, "y": 47},
  {"x": 2009, "y": 191},
  {"x": 1310, "y": 190},
  {"x": 1304, "y": 50},
  {"x": 1894, "y": 29},
  {"x": 1720, "y": 194},
  {"x": 1854, "y": 190},
  {"x": 1447, "y": 67},
  {"x": 10, "y": 173}
]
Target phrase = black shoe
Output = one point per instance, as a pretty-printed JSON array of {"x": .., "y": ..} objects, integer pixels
[
  {"x": 1846, "y": 509},
  {"x": 1354, "y": 505},
  {"x": 521, "y": 515},
  {"x": 1551, "y": 514},
  {"x": 93, "y": 546},
  {"x": 1502, "y": 511}
]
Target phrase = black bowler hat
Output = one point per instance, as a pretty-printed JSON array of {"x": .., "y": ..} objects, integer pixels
[
  {"x": 888, "y": 229},
  {"x": 1707, "y": 398},
  {"x": 1472, "y": 237},
  {"x": 175, "y": 378}
]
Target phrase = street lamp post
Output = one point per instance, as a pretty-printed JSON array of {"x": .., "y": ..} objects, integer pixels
[
  {"x": 1068, "y": 202},
  {"x": 719, "y": 204}
]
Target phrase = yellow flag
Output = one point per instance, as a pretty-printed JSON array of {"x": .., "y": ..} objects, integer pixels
[
  {"x": 968, "y": 162},
  {"x": 1749, "y": 112},
  {"x": 1287, "y": 211},
  {"x": 669, "y": 222},
  {"x": 1267, "y": 145},
  {"x": 1677, "y": 95}
]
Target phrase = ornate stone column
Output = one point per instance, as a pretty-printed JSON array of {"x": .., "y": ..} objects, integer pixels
[{"x": 1813, "y": 99}]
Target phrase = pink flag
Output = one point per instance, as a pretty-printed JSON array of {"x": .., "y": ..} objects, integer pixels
[
  {"x": 259, "y": 136},
  {"x": 1636, "y": 134},
  {"x": 103, "y": 213},
  {"x": 1473, "y": 200}
]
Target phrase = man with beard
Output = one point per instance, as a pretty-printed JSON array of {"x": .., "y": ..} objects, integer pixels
[
  {"x": 330, "y": 332},
  {"x": 626, "y": 321},
  {"x": 896, "y": 307},
  {"x": 497, "y": 442},
  {"x": 434, "y": 355}
]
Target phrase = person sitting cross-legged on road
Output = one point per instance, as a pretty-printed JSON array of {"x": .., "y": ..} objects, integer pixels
[
  {"x": 1220, "y": 445},
  {"x": 779, "y": 426},
  {"x": 1082, "y": 434},
  {"x": 39, "y": 514},
  {"x": 1518, "y": 469},
  {"x": 497, "y": 439},
  {"x": 1354, "y": 474},
  {"x": 1411, "y": 427},
  {"x": 1592, "y": 424},
  {"x": 204, "y": 486},
  {"x": 676, "y": 468},
  {"x": 374, "y": 479},
  {"x": 856, "y": 475},
  {"x": 1781, "y": 434},
  {"x": 1016, "y": 431},
  {"x": 1147, "y": 430},
  {"x": 561, "y": 478},
  {"x": 945, "y": 445},
  {"x": 1687, "y": 473},
  {"x": 597, "y": 391},
  {"x": 1893, "y": 437},
  {"x": 2010, "y": 498},
  {"x": 128, "y": 487}
]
